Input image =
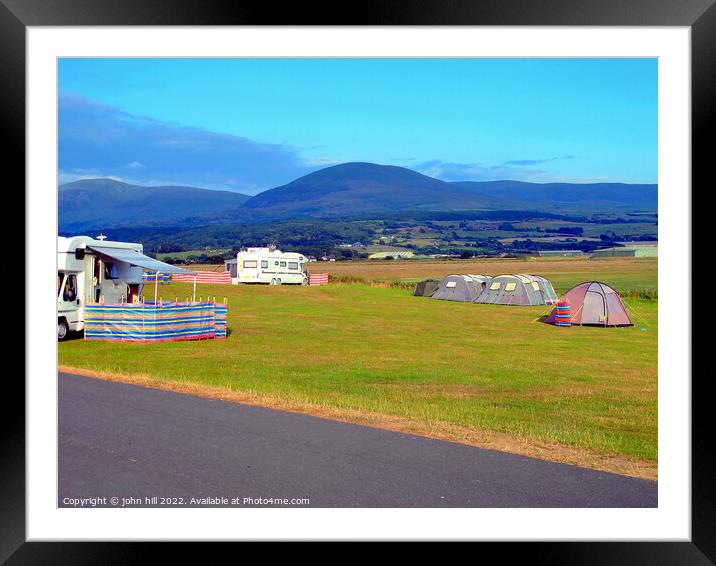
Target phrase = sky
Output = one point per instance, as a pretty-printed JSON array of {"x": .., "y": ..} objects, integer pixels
[{"x": 249, "y": 125}]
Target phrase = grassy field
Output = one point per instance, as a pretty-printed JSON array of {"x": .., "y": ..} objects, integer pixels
[{"x": 486, "y": 375}]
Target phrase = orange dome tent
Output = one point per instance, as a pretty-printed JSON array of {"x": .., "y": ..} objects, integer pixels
[{"x": 594, "y": 304}]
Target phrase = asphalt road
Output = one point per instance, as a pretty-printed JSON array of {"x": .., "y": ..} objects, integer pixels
[{"x": 124, "y": 441}]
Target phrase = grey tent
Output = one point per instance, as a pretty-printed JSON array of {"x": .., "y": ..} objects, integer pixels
[
  {"x": 548, "y": 293},
  {"x": 426, "y": 288},
  {"x": 464, "y": 288},
  {"x": 518, "y": 289}
]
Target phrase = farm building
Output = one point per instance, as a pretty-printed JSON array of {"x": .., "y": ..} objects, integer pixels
[
  {"x": 628, "y": 251},
  {"x": 518, "y": 289},
  {"x": 426, "y": 288},
  {"x": 594, "y": 304},
  {"x": 560, "y": 253},
  {"x": 463, "y": 288},
  {"x": 640, "y": 244}
]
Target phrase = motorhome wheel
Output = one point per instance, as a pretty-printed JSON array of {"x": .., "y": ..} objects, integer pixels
[{"x": 62, "y": 329}]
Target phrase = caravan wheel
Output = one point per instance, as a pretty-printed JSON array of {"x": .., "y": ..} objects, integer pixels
[{"x": 62, "y": 329}]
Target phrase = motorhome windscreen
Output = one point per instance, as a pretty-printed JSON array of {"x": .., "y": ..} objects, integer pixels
[{"x": 70, "y": 292}]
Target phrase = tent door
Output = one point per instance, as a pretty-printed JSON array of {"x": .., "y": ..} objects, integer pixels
[{"x": 594, "y": 310}]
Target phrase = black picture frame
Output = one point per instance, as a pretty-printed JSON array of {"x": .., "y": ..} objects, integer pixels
[{"x": 699, "y": 15}]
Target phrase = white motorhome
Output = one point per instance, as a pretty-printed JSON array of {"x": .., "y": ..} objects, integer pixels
[
  {"x": 267, "y": 265},
  {"x": 98, "y": 271}
]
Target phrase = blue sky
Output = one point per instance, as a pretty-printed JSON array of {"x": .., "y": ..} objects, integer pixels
[{"x": 253, "y": 124}]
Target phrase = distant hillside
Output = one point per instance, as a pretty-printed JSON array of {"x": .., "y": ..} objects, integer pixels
[
  {"x": 599, "y": 196},
  {"x": 365, "y": 188},
  {"x": 104, "y": 203},
  {"x": 354, "y": 190}
]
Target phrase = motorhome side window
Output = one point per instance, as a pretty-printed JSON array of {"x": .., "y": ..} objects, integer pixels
[
  {"x": 110, "y": 270},
  {"x": 250, "y": 263},
  {"x": 292, "y": 265},
  {"x": 264, "y": 264},
  {"x": 283, "y": 264}
]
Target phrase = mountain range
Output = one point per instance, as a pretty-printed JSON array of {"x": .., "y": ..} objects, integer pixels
[
  {"x": 349, "y": 189},
  {"x": 602, "y": 196}
]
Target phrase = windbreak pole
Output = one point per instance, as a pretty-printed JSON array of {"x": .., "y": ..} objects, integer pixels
[
  {"x": 156, "y": 286},
  {"x": 194, "y": 298}
]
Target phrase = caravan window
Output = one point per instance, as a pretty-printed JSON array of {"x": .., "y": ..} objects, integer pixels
[
  {"x": 292, "y": 265},
  {"x": 283, "y": 264},
  {"x": 250, "y": 264},
  {"x": 264, "y": 264}
]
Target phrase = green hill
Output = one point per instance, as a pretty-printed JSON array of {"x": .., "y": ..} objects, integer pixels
[
  {"x": 103, "y": 203},
  {"x": 365, "y": 188}
]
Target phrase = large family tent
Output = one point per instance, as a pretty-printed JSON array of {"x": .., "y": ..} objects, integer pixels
[
  {"x": 519, "y": 290},
  {"x": 595, "y": 304},
  {"x": 464, "y": 288},
  {"x": 548, "y": 293},
  {"x": 426, "y": 288}
]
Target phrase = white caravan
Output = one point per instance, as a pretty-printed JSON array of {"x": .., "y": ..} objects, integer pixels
[
  {"x": 266, "y": 265},
  {"x": 98, "y": 271}
]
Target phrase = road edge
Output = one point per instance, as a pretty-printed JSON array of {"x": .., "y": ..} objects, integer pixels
[{"x": 530, "y": 447}]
